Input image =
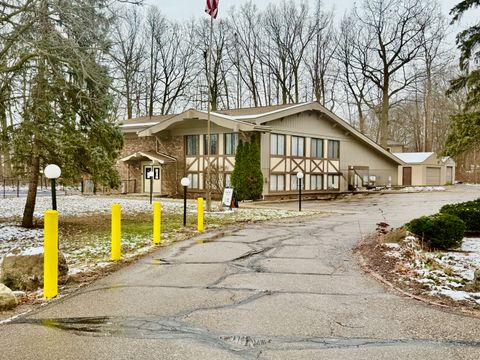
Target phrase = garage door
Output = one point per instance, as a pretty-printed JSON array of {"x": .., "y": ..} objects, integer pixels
[
  {"x": 433, "y": 176},
  {"x": 450, "y": 174}
]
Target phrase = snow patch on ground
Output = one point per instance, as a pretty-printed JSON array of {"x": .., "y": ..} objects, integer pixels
[
  {"x": 95, "y": 253},
  {"x": 76, "y": 205},
  {"x": 443, "y": 273},
  {"x": 423, "y": 188}
]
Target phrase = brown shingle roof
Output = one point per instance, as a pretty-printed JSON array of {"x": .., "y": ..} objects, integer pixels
[
  {"x": 144, "y": 120},
  {"x": 253, "y": 110}
]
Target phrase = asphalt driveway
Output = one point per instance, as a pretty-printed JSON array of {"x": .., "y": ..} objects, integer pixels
[{"x": 277, "y": 290}]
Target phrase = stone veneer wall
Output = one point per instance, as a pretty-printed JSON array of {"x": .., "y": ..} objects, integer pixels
[
  {"x": 173, "y": 146},
  {"x": 131, "y": 173}
]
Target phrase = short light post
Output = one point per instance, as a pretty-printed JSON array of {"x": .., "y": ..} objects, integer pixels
[
  {"x": 185, "y": 183},
  {"x": 299, "y": 182},
  {"x": 150, "y": 176},
  {"x": 53, "y": 172}
]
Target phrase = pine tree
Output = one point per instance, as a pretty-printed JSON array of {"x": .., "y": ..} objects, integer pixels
[
  {"x": 65, "y": 117},
  {"x": 255, "y": 170},
  {"x": 464, "y": 133},
  {"x": 247, "y": 178}
]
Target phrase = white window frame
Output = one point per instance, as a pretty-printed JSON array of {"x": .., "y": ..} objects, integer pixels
[
  {"x": 274, "y": 144},
  {"x": 231, "y": 144},
  {"x": 298, "y": 145},
  {"x": 274, "y": 183},
  {"x": 313, "y": 154},
  {"x": 197, "y": 143},
  {"x": 314, "y": 182},
  {"x": 335, "y": 150},
  {"x": 194, "y": 180}
]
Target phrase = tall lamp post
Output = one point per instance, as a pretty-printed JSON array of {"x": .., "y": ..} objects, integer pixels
[
  {"x": 53, "y": 172},
  {"x": 185, "y": 183},
  {"x": 299, "y": 183},
  {"x": 150, "y": 176}
]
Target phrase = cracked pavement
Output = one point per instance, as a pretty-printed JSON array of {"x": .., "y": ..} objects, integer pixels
[{"x": 288, "y": 289}]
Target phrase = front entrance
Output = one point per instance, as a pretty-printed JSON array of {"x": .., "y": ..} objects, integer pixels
[
  {"x": 157, "y": 178},
  {"x": 407, "y": 176}
]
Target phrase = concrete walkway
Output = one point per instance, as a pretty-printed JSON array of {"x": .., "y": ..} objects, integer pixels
[{"x": 279, "y": 290}]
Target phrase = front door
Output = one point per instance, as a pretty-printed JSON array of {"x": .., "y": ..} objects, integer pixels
[
  {"x": 407, "y": 176},
  {"x": 157, "y": 178}
]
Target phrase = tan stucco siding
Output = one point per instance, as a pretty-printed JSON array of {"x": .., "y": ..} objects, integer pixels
[
  {"x": 419, "y": 174},
  {"x": 353, "y": 152}
]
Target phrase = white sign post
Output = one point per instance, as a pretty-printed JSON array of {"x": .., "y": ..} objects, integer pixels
[{"x": 227, "y": 197}]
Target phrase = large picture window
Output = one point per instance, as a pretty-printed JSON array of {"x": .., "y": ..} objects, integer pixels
[
  {"x": 277, "y": 182},
  {"x": 317, "y": 148},
  {"x": 333, "y": 149},
  {"x": 298, "y": 146},
  {"x": 192, "y": 144},
  {"x": 316, "y": 182},
  {"x": 231, "y": 143},
  {"x": 213, "y": 144},
  {"x": 277, "y": 146}
]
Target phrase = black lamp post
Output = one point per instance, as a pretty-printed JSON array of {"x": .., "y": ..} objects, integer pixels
[
  {"x": 53, "y": 172},
  {"x": 299, "y": 182},
  {"x": 185, "y": 183}
]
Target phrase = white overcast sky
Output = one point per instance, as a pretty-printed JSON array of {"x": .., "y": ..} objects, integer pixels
[{"x": 186, "y": 9}]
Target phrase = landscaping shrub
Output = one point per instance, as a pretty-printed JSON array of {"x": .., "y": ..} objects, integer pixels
[
  {"x": 468, "y": 211},
  {"x": 440, "y": 231}
]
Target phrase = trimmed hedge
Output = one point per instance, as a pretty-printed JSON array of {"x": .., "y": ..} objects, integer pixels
[
  {"x": 468, "y": 211},
  {"x": 439, "y": 231}
]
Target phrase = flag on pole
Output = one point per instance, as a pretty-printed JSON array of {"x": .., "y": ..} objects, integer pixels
[{"x": 212, "y": 8}]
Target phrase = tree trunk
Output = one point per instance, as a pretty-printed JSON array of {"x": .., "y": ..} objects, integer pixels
[
  {"x": 383, "y": 125},
  {"x": 361, "y": 118},
  {"x": 428, "y": 113},
  {"x": 32, "y": 192}
]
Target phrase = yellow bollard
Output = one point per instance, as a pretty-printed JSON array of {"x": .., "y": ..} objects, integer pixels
[
  {"x": 50, "y": 254},
  {"x": 200, "y": 214},
  {"x": 116, "y": 231},
  {"x": 157, "y": 222}
]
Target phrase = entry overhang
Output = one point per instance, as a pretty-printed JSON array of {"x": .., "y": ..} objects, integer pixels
[{"x": 148, "y": 155}]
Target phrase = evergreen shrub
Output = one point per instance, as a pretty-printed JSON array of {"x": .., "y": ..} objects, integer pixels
[
  {"x": 439, "y": 231},
  {"x": 468, "y": 211},
  {"x": 247, "y": 178}
]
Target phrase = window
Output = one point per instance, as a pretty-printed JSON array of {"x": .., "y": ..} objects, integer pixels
[
  {"x": 213, "y": 144},
  {"x": 316, "y": 182},
  {"x": 317, "y": 148},
  {"x": 298, "y": 146},
  {"x": 333, "y": 182},
  {"x": 334, "y": 149},
  {"x": 294, "y": 182},
  {"x": 192, "y": 144},
  {"x": 277, "y": 182},
  {"x": 231, "y": 143},
  {"x": 228, "y": 180},
  {"x": 193, "y": 180},
  {"x": 277, "y": 146}
]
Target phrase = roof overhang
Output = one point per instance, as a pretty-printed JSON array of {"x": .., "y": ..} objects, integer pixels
[
  {"x": 195, "y": 115},
  {"x": 315, "y": 106},
  {"x": 148, "y": 156}
]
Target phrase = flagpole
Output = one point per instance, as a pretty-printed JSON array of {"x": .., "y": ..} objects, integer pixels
[{"x": 208, "y": 182}]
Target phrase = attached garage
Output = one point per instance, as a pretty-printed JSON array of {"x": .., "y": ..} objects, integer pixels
[{"x": 433, "y": 176}]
